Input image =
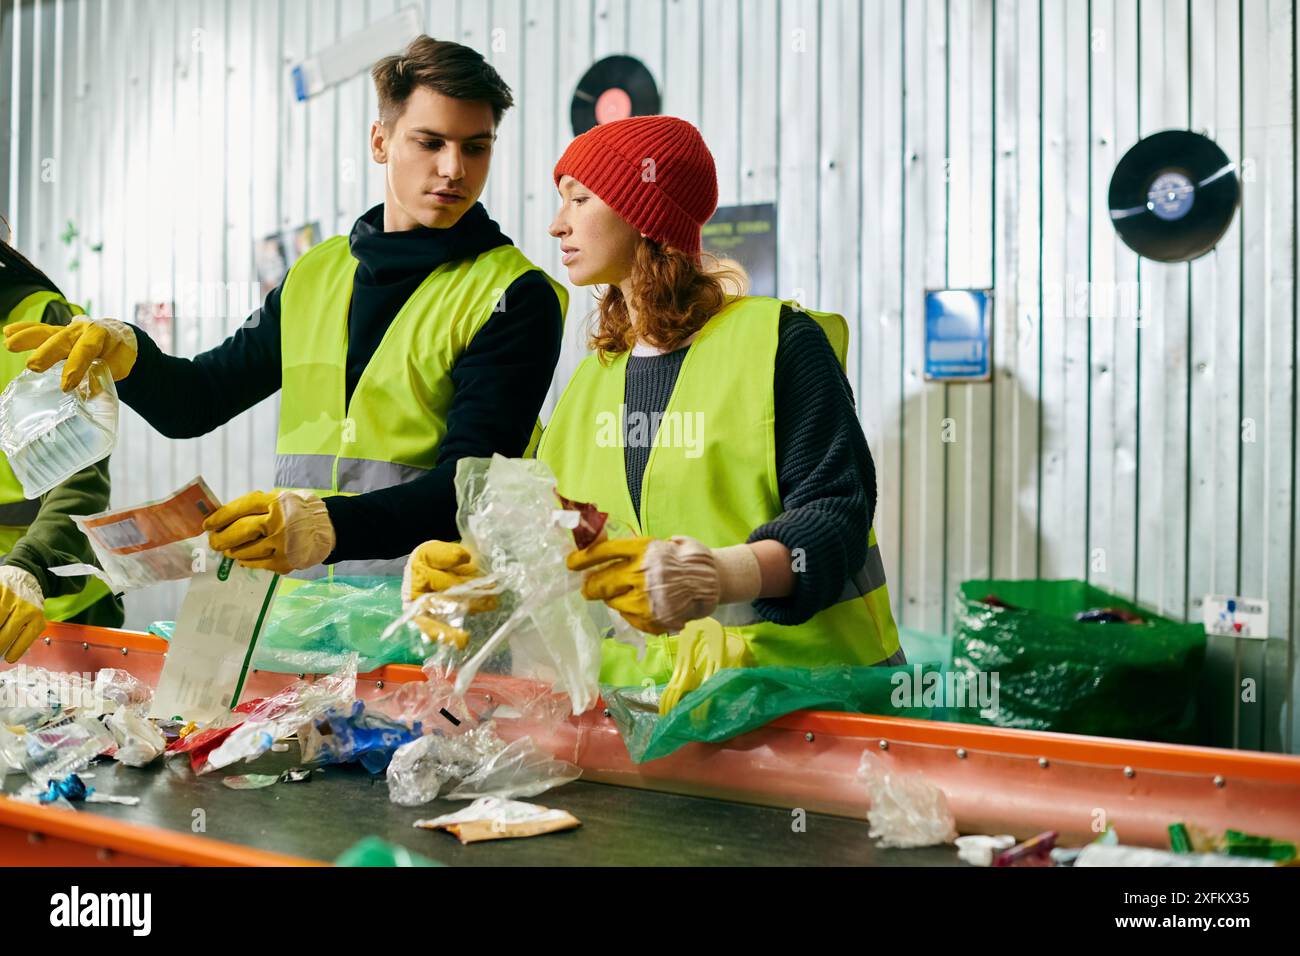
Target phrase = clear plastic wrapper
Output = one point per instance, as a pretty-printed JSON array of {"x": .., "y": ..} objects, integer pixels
[
  {"x": 509, "y": 518},
  {"x": 280, "y": 715},
  {"x": 54, "y": 751},
  {"x": 31, "y": 697},
  {"x": 348, "y": 733},
  {"x": 119, "y": 689},
  {"x": 474, "y": 764},
  {"x": 906, "y": 809},
  {"x": 47, "y": 434},
  {"x": 139, "y": 742}
]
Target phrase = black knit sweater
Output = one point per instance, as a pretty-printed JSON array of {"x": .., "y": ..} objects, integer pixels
[{"x": 824, "y": 469}]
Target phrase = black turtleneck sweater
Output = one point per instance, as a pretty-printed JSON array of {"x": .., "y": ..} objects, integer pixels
[{"x": 500, "y": 380}]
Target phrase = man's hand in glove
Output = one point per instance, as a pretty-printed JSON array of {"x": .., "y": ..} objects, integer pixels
[
  {"x": 80, "y": 343},
  {"x": 274, "y": 531}
]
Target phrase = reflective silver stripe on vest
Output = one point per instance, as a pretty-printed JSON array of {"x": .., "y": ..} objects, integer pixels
[
  {"x": 304, "y": 471},
  {"x": 359, "y": 475},
  {"x": 356, "y": 475},
  {"x": 19, "y": 514},
  {"x": 868, "y": 577},
  {"x": 387, "y": 568}
]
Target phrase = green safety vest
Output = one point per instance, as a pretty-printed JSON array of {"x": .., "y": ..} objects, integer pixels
[
  {"x": 16, "y": 511},
  {"x": 712, "y": 475},
  {"x": 388, "y": 433}
]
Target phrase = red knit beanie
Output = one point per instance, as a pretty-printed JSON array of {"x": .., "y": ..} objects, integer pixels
[{"x": 654, "y": 171}]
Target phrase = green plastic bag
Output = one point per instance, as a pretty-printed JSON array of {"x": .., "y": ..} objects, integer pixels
[
  {"x": 740, "y": 699},
  {"x": 313, "y": 628},
  {"x": 1054, "y": 673}
]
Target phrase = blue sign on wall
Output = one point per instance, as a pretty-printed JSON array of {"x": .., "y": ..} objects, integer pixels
[{"x": 957, "y": 329}]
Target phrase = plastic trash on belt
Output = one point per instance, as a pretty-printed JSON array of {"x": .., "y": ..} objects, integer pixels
[
  {"x": 509, "y": 518},
  {"x": 56, "y": 750},
  {"x": 139, "y": 742},
  {"x": 348, "y": 733},
  {"x": 906, "y": 809},
  {"x": 282, "y": 714},
  {"x": 47, "y": 434},
  {"x": 478, "y": 763}
]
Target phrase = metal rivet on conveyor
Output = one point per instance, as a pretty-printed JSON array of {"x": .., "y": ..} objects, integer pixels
[
  {"x": 488, "y": 698},
  {"x": 379, "y": 685},
  {"x": 884, "y": 745},
  {"x": 961, "y": 753},
  {"x": 47, "y": 642},
  {"x": 809, "y": 736},
  {"x": 302, "y": 677},
  {"x": 1219, "y": 781},
  {"x": 85, "y": 646},
  {"x": 605, "y": 711},
  {"x": 124, "y": 652},
  {"x": 1128, "y": 772},
  {"x": 1042, "y": 762}
]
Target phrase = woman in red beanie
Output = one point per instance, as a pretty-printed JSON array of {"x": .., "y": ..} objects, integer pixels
[{"x": 719, "y": 426}]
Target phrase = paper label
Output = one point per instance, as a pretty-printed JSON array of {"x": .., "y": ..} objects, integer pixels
[{"x": 212, "y": 644}]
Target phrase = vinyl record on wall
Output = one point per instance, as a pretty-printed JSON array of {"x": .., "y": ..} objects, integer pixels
[
  {"x": 1173, "y": 195},
  {"x": 613, "y": 89}
]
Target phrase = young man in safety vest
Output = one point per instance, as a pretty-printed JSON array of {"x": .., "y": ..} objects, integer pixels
[
  {"x": 37, "y": 534},
  {"x": 423, "y": 337}
]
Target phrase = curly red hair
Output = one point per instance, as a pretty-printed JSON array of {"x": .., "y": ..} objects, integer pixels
[{"x": 674, "y": 294}]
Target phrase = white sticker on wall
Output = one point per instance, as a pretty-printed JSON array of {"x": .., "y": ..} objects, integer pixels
[{"x": 1235, "y": 616}]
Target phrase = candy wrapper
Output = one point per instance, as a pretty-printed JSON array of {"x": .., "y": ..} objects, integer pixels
[
  {"x": 591, "y": 521},
  {"x": 492, "y": 818}
]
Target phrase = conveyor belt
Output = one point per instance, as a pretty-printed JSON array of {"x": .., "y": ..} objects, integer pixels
[{"x": 319, "y": 819}]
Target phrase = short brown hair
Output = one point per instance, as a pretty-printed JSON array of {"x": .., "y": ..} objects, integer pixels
[{"x": 443, "y": 66}]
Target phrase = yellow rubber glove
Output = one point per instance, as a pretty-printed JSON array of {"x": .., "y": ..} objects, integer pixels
[
  {"x": 704, "y": 647},
  {"x": 80, "y": 343},
  {"x": 436, "y": 566},
  {"x": 657, "y": 586},
  {"x": 22, "y": 611},
  {"x": 274, "y": 531}
]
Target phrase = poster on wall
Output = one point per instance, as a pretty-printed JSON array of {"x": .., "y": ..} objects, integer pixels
[
  {"x": 157, "y": 319},
  {"x": 957, "y": 330},
  {"x": 746, "y": 235},
  {"x": 275, "y": 254}
]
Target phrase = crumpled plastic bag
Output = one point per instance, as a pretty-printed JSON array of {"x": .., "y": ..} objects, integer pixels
[
  {"x": 475, "y": 764},
  {"x": 509, "y": 518},
  {"x": 139, "y": 742},
  {"x": 348, "y": 733},
  {"x": 281, "y": 714},
  {"x": 906, "y": 809}
]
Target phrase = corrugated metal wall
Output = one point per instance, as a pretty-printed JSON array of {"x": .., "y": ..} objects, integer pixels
[{"x": 1140, "y": 429}]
